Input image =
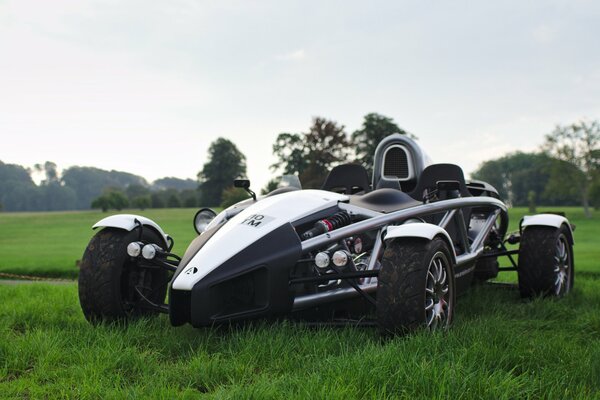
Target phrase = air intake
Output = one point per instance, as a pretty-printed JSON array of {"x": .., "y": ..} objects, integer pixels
[{"x": 396, "y": 164}]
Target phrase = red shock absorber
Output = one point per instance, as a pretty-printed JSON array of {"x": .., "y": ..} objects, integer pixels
[{"x": 336, "y": 221}]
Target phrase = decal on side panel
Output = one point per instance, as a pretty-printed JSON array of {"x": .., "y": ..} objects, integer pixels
[{"x": 257, "y": 220}]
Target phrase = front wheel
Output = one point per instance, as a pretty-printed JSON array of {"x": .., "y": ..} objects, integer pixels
[
  {"x": 112, "y": 286},
  {"x": 415, "y": 286},
  {"x": 546, "y": 265}
]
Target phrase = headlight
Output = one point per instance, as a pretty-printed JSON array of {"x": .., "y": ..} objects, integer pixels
[
  {"x": 149, "y": 251},
  {"x": 340, "y": 258},
  {"x": 134, "y": 249},
  {"x": 322, "y": 260},
  {"x": 203, "y": 218}
]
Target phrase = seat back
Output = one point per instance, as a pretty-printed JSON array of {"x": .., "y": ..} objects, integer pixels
[
  {"x": 347, "y": 179},
  {"x": 428, "y": 182},
  {"x": 439, "y": 172}
]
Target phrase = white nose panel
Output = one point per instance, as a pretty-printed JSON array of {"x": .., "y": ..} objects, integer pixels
[{"x": 250, "y": 225}]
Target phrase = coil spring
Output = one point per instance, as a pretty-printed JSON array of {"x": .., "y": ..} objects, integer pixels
[
  {"x": 339, "y": 219},
  {"x": 336, "y": 221}
]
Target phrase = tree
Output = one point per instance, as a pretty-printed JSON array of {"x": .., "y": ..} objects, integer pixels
[
  {"x": 515, "y": 175},
  {"x": 158, "y": 200},
  {"x": 18, "y": 192},
  {"x": 225, "y": 163},
  {"x": 578, "y": 145},
  {"x": 174, "y": 183},
  {"x": 270, "y": 186},
  {"x": 89, "y": 183},
  {"x": 173, "y": 201},
  {"x": 312, "y": 154},
  {"x": 112, "y": 198},
  {"x": 233, "y": 195},
  {"x": 141, "y": 202},
  {"x": 134, "y": 191},
  {"x": 189, "y": 198},
  {"x": 50, "y": 171},
  {"x": 374, "y": 129},
  {"x": 595, "y": 195}
]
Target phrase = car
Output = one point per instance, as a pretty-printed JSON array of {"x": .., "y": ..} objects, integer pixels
[{"x": 396, "y": 250}]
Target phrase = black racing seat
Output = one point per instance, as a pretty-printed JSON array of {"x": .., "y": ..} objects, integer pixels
[
  {"x": 347, "y": 179},
  {"x": 427, "y": 182},
  {"x": 439, "y": 172},
  {"x": 385, "y": 200}
]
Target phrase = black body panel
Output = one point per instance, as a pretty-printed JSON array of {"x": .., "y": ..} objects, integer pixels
[{"x": 253, "y": 283}]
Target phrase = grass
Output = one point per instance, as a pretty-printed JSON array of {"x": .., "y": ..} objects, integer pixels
[
  {"x": 50, "y": 243},
  {"x": 500, "y": 347}
]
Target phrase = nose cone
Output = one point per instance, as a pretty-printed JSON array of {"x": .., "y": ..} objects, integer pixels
[{"x": 248, "y": 227}]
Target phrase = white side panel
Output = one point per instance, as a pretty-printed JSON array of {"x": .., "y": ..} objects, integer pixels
[
  {"x": 418, "y": 230},
  {"x": 127, "y": 222},
  {"x": 250, "y": 225}
]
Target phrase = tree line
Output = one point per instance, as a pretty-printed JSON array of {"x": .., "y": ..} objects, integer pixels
[
  {"x": 78, "y": 187},
  {"x": 564, "y": 171}
]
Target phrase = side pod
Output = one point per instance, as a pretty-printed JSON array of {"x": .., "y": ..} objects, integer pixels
[{"x": 128, "y": 223}]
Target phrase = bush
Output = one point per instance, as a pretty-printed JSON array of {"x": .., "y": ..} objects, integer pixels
[{"x": 111, "y": 199}]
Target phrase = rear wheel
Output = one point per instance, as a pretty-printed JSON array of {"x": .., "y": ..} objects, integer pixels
[
  {"x": 545, "y": 262},
  {"x": 415, "y": 286},
  {"x": 110, "y": 282}
]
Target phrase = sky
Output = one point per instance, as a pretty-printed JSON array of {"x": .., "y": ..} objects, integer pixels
[{"x": 146, "y": 86}]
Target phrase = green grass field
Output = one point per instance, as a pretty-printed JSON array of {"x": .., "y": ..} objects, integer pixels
[
  {"x": 49, "y": 244},
  {"x": 499, "y": 346}
]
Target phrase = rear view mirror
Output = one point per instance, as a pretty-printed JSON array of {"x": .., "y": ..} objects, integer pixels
[
  {"x": 244, "y": 184},
  {"x": 241, "y": 183}
]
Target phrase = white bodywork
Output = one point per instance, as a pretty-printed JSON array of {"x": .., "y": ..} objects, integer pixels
[
  {"x": 255, "y": 221},
  {"x": 551, "y": 220},
  {"x": 127, "y": 222},
  {"x": 418, "y": 230}
]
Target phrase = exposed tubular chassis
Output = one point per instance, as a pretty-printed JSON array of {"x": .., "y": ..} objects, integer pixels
[{"x": 380, "y": 221}]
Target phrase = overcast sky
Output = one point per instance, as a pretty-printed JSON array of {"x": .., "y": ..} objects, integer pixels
[{"x": 145, "y": 86}]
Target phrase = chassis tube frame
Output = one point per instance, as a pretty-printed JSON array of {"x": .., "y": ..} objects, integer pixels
[{"x": 471, "y": 253}]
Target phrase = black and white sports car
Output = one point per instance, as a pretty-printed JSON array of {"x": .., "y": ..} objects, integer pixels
[{"x": 397, "y": 248}]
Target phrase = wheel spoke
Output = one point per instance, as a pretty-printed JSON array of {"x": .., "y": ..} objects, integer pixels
[
  {"x": 430, "y": 274},
  {"x": 430, "y": 320},
  {"x": 429, "y": 306},
  {"x": 444, "y": 276}
]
